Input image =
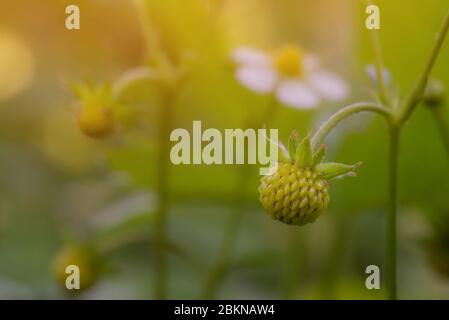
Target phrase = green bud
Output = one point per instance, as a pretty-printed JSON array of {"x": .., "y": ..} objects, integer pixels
[{"x": 434, "y": 93}]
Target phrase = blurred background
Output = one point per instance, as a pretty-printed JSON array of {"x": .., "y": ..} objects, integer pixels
[{"x": 64, "y": 193}]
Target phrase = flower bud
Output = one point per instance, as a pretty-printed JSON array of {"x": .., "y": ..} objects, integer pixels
[
  {"x": 96, "y": 117},
  {"x": 84, "y": 258},
  {"x": 434, "y": 94},
  {"x": 96, "y": 121}
]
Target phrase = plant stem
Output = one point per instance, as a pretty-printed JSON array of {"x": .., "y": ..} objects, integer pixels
[
  {"x": 132, "y": 77},
  {"x": 416, "y": 95},
  {"x": 345, "y": 112},
  {"x": 379, "y": 66},
  {"x": 334, "y": 262},
  {"x": 442, "y": 127},
  {"x": 160, "y": 231},
  {"x": 219, "y": 269},
  {"x": 229, "y": 241},
  {"x": 391, "y": 257}
]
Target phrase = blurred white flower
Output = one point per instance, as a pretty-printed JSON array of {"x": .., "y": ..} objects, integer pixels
[
  {"x": 371, "y": 71},
  {"x": 297, "y": 80},
  {"x": 17, "y": 65}
]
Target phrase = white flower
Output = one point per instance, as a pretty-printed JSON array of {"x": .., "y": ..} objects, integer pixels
[
  {"x": 371, "y": 71},
  {"x": 296, "y": 80}
]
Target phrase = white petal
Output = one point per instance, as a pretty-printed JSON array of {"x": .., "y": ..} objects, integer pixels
[
  {"x": 256, "y": 78},
  {"x": 250, "y": 56},
  {"x": 328, "y": 85},
  {"x": 371, "y": 70},
  {"x": 296, "y": 94},
  {"x": 311, "y": 63}
]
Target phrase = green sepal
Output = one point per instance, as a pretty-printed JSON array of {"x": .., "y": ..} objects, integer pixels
[
  {"x": 318, "y": 156},
  {"x": 293, "y": 142},
  {"x": 90, "y": 93},
  {"x": 80, "y": 89},
  {"x": 283, "y": 155},
  {"x": 303, "y": 155},
  {"x": 330, "y": 170}
]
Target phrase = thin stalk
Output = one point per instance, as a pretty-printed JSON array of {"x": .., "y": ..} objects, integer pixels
[
  {"x": 130, "y": 78},
  {"x": 335, "y": 259},
  {"x": 295, "y": 264},
  {"x": 221, "y": 266},
  {"x": 375, "y": 40},
  {"x": 391, "y": 257},
  {"x": 443, "y": 128},
  {"x": 416, "y": 95},
  {"x": 160, "y": 231},
  {"x": 219, "y": 269},
  {"x": 345, "y": 112}
]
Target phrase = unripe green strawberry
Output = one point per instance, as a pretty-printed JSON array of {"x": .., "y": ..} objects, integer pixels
[
  {"x": 297, "y": 191},
  {"x": 294, "y": 195}
]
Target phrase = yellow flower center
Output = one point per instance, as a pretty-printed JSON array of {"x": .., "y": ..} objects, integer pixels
[{"x": 288, "y": 60}]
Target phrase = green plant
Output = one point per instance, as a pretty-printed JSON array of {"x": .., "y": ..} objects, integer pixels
[{"x": 396, "y": 115}]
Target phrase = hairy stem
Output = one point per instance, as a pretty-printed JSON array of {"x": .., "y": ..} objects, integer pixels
[
  {"x": 345, "y": 112},
  {"x": 416, "y": 95},
  {"x": 391, "y": 257},
  {"x": 219, "y": 269},
  {"x": 443, "y": 128},
  {"x": 160, "y": 231}
]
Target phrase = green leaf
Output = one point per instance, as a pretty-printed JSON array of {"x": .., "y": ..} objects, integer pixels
[
  {"x": 293, "y": 142},
  {"x": 303, "y": 155},
  {"x": 318, "y": 156},
  {"x": 330, "y": 170}
]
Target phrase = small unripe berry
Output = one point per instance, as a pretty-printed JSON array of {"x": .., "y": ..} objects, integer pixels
[
  {"x": 294, "y": 195},
  {"x": 434, "y": 93},
  {"x": 96, "y": 121},
  {"x": 84, "y": 259},
  {"x": 296, "y": 192},
  {"x": 97, "y": 113}
]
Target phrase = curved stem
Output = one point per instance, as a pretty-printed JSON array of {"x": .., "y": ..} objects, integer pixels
[
  {"x": 345, "y": 112},
  {"x": 391, "y": 257},
  {"x": 160, "y": 232},
  {"x": 417, "y": 93},
  {"x": 442, "y": 127},
  {"x": 130, "y": 78}
]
